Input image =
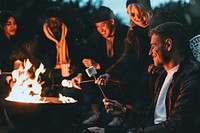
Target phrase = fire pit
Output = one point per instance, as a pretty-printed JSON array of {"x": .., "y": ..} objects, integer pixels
[
  {"x": 31, "y": 112},
  {"x": 50, "y": 116}
]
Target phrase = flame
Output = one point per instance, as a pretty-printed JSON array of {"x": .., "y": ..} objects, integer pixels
[{"x": 27, "y": 87}]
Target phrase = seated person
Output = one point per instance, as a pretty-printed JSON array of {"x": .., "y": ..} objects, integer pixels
[{"x": 175, "y": 107}]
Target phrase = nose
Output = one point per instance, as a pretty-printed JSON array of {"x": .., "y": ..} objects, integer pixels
[
  {"x": 12, "y": 25},
  {"x": 55, "y": 24},
  {"x": 150, "y": 52}
]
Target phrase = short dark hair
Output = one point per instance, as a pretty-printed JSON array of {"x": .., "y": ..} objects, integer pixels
[
  {"x": 175, "y": 31},
  {"x": 103, "y": 13}
]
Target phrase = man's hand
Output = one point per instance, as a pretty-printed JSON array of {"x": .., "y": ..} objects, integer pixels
[
  {"x": 76, "y": 81},
  {"x": 90, "y": 62},
  {"x": 113, "y": 107},
  {"x": 102, "y": 79}
]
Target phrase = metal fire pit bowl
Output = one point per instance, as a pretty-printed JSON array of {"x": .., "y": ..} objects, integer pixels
[{"x": 43, "y": 117}]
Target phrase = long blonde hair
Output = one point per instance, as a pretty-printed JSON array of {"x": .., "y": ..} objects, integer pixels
[{"x": 143, "y": 14}]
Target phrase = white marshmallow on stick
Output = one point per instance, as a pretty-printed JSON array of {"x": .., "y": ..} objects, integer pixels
[
  {"x": 91, "y": 71},
  {"x": 68, "y": 83}
]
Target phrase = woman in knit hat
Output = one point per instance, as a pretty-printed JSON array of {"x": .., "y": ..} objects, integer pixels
[{"x": 104, "y": 48}]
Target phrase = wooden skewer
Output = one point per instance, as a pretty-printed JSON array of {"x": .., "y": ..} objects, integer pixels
[
  {"x": 1, "y": 73},
  {"x": 102, "y": 92},
  {"x": 85, "y": 81}
]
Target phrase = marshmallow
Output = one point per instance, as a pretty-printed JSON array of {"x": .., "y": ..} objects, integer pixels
[{"x": 91, "y": 71}]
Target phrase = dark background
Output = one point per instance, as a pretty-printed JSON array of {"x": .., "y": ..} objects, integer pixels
[{"x": 30, "y": 16}]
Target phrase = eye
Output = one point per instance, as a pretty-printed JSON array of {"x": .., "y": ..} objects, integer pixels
[
  {"x": 8, "y": 23},
  {"x": 152, "y": 47},
  {"x": 133, "y": 14}
]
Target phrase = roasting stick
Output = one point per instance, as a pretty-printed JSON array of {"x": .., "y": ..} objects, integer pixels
[
  {"x": 100, "y": 88},
  {"x": 87, "y": 81},
  {"x": 67, "y": 83},
  {"x": 91, "y": 71},
  {"x": 1, "y": 73}
]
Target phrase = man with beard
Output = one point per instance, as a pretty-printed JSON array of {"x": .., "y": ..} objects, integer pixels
[{"x": 56, "y": 47}]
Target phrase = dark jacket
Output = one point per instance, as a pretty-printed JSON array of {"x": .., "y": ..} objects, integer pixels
[
  {"x": 46, "y": 52},
  {"x": 182, "y": 102},
  {"x": 96, "y": 48},
  {"x": 6, "y": 48},
  {"x": 131, "y": 68}
]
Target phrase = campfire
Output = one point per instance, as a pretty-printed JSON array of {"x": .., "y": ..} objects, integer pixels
[{"x": 28, "y": 87}]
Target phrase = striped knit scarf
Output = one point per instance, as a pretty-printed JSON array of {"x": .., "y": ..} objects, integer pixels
[{"x": 61, "y": 46}]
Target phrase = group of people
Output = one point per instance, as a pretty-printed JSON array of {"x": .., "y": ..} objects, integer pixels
[{"x": 163, "y": 99}]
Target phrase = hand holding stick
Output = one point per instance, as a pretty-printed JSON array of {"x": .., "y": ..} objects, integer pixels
[{"x": 91, "y": 71}]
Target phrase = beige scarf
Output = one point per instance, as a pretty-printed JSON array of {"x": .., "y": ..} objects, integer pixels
[{"x": 61, "y": 46}]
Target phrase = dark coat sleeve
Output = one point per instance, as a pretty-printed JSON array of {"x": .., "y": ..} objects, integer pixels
[{"x": 184, "y": 114}]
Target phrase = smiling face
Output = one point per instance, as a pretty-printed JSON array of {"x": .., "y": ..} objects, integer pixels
[
  {"x": 138, "y": 16},
  {"x": 10, "y": 27},
  {"x": 105, "y": 28},
  {"x": 158, "y": 50}
]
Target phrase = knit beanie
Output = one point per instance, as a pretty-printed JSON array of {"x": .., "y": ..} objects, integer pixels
[
  {"x": 145, "y": 4},
  {"x": 103, "y": 13},
  {"x": 53, "y": 12}
]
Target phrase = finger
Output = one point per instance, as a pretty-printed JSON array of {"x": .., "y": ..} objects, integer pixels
[
  {"x": 109, "y": 104},
  {"x": 98, "y": 81},
  {"x": 110, "y": 110},
  {"x": 77, "y": 87}
]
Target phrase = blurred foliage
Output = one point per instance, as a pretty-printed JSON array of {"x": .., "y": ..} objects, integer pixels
[
  {"x": 188, "y": 13},
  {"x": 30, "y": 15}
]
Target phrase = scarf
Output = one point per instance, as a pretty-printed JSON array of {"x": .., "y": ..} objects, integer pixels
[{"x": 61, "y": 46}]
